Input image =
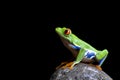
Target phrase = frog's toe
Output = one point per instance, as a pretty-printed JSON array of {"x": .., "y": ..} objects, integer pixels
[
  {"x": 68, "y": 65},
  {"x": 62, "y": 64},
  {"x": 98, "y": 67}
]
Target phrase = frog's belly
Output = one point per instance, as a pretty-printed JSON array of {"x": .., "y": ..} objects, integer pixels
[{"x": 87, "y": 60}]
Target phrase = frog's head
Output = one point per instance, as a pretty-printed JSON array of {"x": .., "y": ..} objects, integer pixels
[
  {"x": 64, "y": 33},
  {"x": 68, "y": 38}
]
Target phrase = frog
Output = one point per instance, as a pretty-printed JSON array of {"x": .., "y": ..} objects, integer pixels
[{"x": 81, "y": 50}]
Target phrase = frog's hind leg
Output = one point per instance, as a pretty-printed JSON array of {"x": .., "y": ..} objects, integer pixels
[
  {"x": 100, "y": 63},
  {"x": 102, "y": 60},
  {"x": 101, "y": 56}
]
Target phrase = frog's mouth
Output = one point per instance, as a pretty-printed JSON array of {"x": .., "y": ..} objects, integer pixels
[{"x": 70, "y": 46}]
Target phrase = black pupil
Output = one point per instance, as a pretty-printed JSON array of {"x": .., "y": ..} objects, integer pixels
[{"x": 66, "y": 31}]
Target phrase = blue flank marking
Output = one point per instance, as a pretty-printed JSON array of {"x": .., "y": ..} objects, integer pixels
[
  {"x": 90, "y": 55},
  {"x": 75, "y": 47}
]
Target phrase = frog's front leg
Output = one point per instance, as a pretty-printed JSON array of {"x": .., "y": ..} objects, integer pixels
[
  {"x": 62, "y": 64},
  {"x": 79, "y": 57}
]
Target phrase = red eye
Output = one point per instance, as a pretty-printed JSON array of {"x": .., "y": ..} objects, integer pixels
[{"x": 67, "y": 31}]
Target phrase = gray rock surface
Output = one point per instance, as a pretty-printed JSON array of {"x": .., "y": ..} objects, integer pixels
[{"x": 80, "y": 71}]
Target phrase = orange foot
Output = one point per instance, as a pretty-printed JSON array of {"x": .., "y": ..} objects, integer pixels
[
  {"x": 97, "y": 66},
  {"x": 62, "y": 64},
  {"x": 68, "y": 65}
]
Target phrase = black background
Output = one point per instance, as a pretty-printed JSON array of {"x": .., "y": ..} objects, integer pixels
[{"x": 32, "y": 43}]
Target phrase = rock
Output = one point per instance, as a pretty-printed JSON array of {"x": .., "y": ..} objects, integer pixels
[{"x": 80, "y": 71}]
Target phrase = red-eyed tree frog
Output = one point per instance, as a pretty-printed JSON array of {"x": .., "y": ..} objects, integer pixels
[{"x": 82, "y": 51}]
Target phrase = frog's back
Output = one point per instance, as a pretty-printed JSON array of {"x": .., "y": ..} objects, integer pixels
[{"x": 83, "y": 44}]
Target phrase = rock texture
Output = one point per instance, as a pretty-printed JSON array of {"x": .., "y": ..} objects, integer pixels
[{"x": 80, "y": 71}]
